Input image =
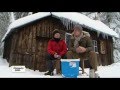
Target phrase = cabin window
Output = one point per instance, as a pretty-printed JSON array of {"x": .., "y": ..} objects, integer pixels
[
  {"x": 102, "y": 47},
  {"x": 67, "y": 39},
  {"x": 95, "y": 46}
]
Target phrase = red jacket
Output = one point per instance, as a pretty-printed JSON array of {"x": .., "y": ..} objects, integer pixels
[{"x": 57, "y": 47}]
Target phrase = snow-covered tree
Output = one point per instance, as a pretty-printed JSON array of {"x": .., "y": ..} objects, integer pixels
[
  {"x": 112, "y": 19},
  {"x": 4, "y": 23},
  {"x": 114, "y": 23},
  {"x": 6, "y": 18},
  {"x": 21, "y": 14}
]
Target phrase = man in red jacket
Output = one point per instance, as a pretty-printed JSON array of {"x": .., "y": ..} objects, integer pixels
[{"x": 56, "y": 50}]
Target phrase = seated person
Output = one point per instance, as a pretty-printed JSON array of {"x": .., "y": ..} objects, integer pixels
[
  {"x": 56, "y": 49},
  {"x": 81, "y": 47}
]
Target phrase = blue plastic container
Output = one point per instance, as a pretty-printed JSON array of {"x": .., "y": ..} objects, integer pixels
[{"x": 70, "y": 68}]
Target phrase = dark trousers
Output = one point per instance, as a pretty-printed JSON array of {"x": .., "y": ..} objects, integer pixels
[{"x": 53, "y": 62}]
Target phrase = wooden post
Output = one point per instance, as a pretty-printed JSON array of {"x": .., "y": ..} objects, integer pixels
[{"x": 82, "y": 63}]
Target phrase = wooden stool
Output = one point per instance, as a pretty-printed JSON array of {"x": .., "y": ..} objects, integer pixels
[{"x": 83, "y": 65}]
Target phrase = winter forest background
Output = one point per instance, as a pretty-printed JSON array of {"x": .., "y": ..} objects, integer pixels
[{"x": 111, "y": 19}]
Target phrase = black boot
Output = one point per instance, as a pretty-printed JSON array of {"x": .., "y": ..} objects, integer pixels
[{"x": 49, "y": 73}]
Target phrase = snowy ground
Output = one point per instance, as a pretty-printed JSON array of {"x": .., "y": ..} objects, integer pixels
[{"x": 111, "y": 71}]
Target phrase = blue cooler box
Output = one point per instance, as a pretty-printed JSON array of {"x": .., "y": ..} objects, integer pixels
[{"x": 70, "y": 68}]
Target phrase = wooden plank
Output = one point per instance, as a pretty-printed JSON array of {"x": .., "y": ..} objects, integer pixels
[
  {"x": 34, "y": 62},
  {"x": 30, "y": 59},
  {"x": 37, "y": 29},
  {"x": 34, "y": 31},
  {"x": 14, "y": 41},
  {"x": 30, "y": 42},
  {"x": 109, "y": 51},
  {"x": 19, "y": 42}
]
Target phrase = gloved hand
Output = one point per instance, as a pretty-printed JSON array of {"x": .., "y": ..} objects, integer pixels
[
  {"x": 55, "y": 55},
  {"x": 59, "y": 57}
]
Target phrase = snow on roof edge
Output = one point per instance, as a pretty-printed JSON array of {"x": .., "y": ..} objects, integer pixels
[
  {"x": 24, "y": 21},
  {"x": 84, "y": 20},
  {"x": 73, "y": 16}
]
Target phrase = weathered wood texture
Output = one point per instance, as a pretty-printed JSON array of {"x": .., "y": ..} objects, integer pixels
[{"x": 28, "y": 45}]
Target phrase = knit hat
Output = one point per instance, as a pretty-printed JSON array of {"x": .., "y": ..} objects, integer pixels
[
  {"x": 55, "y": 31},
  {"x": 78, "y": 27}
]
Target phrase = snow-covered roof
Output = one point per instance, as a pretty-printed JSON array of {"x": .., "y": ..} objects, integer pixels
[
  {"x": 73, "y": 16},
  {"x": 86, "y": 21}
]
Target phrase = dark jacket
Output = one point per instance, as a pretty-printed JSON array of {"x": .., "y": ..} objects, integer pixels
[{"x": 85, "y": 42}]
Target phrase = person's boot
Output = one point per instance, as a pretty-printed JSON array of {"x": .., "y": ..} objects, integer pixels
[
  {"x": 49, "y": 73},
  {"x": 91, "y": 73},
  {"x": 97, "y": 75}
]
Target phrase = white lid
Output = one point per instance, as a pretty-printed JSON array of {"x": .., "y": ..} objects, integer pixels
[{"x": 69, "y": 60}]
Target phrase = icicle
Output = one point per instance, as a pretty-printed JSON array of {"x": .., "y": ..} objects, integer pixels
[
  {"x": 106, "y": 36},
  {"x": 69, "y": 25},
  {"x": 67, "y": 21},
  {"x": 66, "y": 24},
  {"x": 63, "y": 21},
  {"x": 103, "y": 35},
  {"x": 30, "y": 13},
  {"x": 113, "y": 39},
  {"x": 72, "y": 25},
  {"x": 98, "y": 33}
]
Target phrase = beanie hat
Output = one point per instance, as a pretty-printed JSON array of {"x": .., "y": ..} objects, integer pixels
[
  {"x": 78, "y": 27},
  {"x": 55, "y": 31}
]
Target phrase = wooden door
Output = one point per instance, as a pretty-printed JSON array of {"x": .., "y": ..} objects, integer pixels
[{"x": 41, "y": 53}]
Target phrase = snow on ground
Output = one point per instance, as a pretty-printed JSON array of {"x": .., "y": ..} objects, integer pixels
[
  {"x": 6, "y": 72},
  {"x": 110, "y": 71}
]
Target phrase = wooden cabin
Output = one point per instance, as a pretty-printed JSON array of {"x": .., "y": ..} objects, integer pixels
[{"x": 26, "y": 41}]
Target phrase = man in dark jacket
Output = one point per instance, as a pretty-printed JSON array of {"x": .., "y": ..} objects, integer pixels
[
  {"x": 56, "y": 50},
  {"x": 81, "y": 47}
]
